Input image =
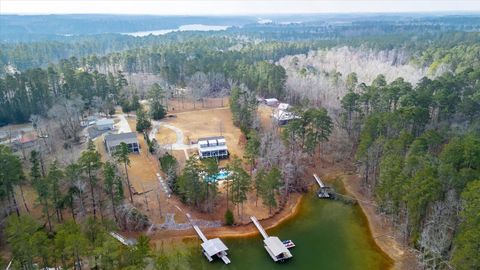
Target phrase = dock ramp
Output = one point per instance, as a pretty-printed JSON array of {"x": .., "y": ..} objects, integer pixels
[{"x": 259, "y": 227}]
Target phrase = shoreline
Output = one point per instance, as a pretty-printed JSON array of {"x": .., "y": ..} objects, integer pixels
[
  {"x": 238, "y": 231},
  {"x": 381, "y": 230}
]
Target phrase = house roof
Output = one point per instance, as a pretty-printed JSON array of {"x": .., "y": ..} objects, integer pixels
[
  {"x": 27, "y": 139},
  {"x": 213, "y": 246},
  {"x": 271, "y": 100},
  {"x": 283, "y": 106},
  {"x": 284, "y": 115},
  {"x": 275, "y": 245},
  {"x": 211, "y": 138},
  {"x": 120, "y": 136},
  {"x": 104, "y": 121}
]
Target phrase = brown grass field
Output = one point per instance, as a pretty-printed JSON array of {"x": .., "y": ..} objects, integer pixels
[{"x": 205, "y": 123}]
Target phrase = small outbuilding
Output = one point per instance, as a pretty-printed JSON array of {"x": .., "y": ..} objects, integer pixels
[
  {"x": 104, "y": 124},
  {"x": 112, "y": 141},
  {"x": 273, "y": 102},
  {"x": 283, "y": 114}
]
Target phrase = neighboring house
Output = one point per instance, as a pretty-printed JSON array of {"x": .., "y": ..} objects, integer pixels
[
  {"x": 212, "y": 147},
  {"x": 283, "y": 114},
  {"x": 284, "y": 106},
  {"x": 112, "y": 141},
  {"x": 104, "y": 124},
  {"x": 24, "y": 142},
  {"x": 271, "y": 102}
]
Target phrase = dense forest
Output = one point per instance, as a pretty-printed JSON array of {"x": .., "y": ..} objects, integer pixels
[
  {"x": 412, "y": 32},
  {"x": 400, "y": 95},
  {"x": 419, "y": 154}
]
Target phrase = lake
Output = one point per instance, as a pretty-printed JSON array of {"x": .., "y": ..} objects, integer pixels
[
  {"x": 328, "y": 235},
  {"x": 187, "y": 27}
]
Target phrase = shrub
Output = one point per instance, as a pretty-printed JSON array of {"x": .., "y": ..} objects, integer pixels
[{"x": 229, "y": 219}]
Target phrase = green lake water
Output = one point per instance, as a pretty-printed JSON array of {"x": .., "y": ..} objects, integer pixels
[{"x": 328, "y": 235}]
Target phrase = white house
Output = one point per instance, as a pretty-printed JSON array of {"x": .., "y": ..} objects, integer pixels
[
  {"x": 283, "y": 114},
  {"x": 212, "y": 147},
  {"x": 104, "y": 124},
  {"x": 112, "y": 141}
]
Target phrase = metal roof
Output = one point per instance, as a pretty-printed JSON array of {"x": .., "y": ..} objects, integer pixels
[
  {"x": 104, "y": 121},
  {"x": 211, "y": 138},
  {"x": 271, "y": 100},
  {"x": 284, "y": 115},
  {"x": 283, "y": 106},
  {"x": 120, "y": 136},
  {"x": 214, "y": 246},
  {"x": 275, "y": 245}
]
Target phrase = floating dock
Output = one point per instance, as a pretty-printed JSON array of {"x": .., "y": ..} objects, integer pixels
[
  {"x": 276, "y": 249},
  {"x": 325, "y": 192},
  {"x": 212, "y": 247}
]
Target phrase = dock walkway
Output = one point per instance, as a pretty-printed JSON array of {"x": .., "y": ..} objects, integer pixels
[
  {"x": 259, "y": 227},
  {"x": 325, "y": 191}
]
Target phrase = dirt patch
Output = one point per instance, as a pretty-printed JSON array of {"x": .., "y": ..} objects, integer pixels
[
  {"x": 265, "y": 115},
  {"x": 176, "y": 105}
]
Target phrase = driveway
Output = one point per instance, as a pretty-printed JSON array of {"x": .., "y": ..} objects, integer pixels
[{"x": 123, "y": 126}]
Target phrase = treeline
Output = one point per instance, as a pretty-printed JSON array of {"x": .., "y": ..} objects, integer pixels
[
  {"x": 457, "y": 58},
  {"x": 379, "y": 32},
  {"x": 74, "y": 246},
  {"x": 243, "y": 62},
  {"x": 35, "y": 91},
  {"x": 78, "y": 205},
  {"x": 192, "y": 64},
  {"x": 418, "y": 150}
]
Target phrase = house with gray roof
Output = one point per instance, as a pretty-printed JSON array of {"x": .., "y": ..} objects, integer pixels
[{"x": 112, "y": 141}]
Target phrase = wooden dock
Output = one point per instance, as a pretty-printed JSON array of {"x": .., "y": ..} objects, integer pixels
[
  {"x": 272, "y": 244},
  {"x": 212, "y": 247}
]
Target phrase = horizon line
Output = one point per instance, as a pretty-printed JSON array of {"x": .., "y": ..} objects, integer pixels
[{"x": 436, "y": 12}]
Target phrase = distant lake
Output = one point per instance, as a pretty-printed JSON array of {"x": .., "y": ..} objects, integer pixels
[{"x": 187, "y": 27}]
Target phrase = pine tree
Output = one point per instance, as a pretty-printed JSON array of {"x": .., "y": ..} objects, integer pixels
[
  {"x": 90, "y": 162},
  {"x": 113, "y": 186},
  {"x": 157, "y": 96},
  {"x": 41, "y": 185},
  {"x": 269, "y": 188},
  {"x": 121, "y": 156},
  {"x": 11, "y": 175},
  {"x": 143, "y": 122},
  {"x": 55, "y": 178},
  {"x": 19, "y": 230},
  {"x": 240, "y": 182}
]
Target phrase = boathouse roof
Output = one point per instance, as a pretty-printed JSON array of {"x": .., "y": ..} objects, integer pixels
[
  {"x": 275, "y": 245},
  {"x": 214, "y": 246}
]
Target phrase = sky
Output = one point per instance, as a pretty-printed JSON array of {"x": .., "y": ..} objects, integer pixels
[{"x": 219, "y": 7}]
